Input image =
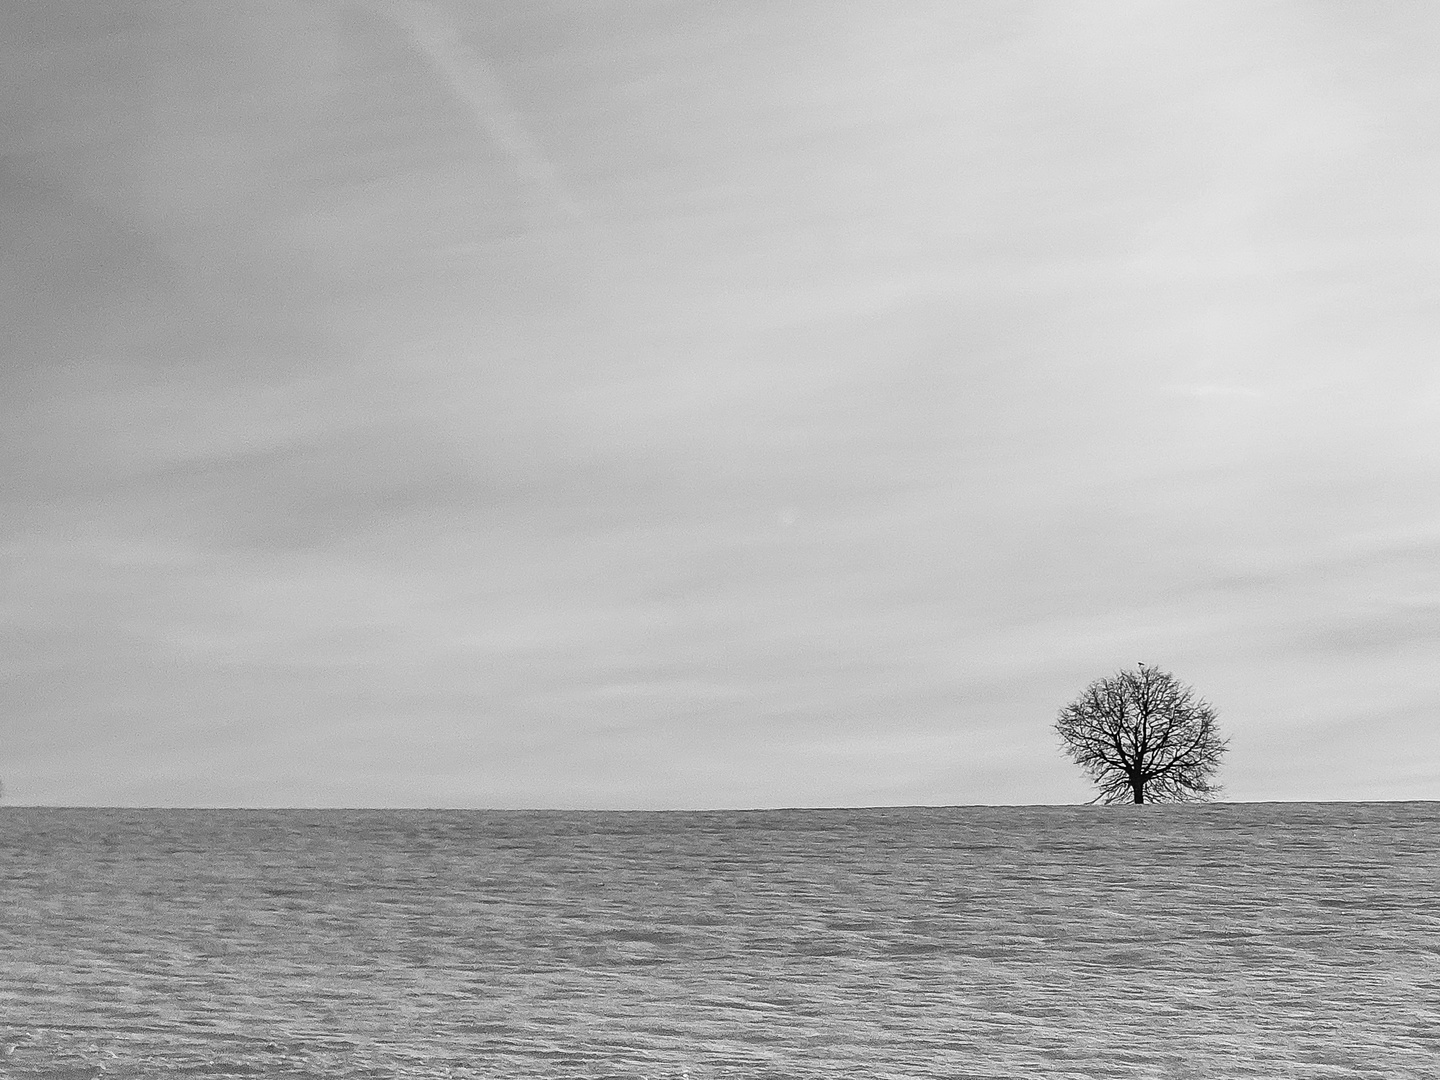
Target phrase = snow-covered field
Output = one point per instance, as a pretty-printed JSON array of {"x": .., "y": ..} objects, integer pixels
[{"x": 1266, "y": 940}]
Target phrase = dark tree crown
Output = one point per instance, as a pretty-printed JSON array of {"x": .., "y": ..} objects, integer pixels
[{"x": 1142, "y": 735}]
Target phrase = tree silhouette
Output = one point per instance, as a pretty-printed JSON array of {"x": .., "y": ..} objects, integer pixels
[{"x": 1144, "y": 736}]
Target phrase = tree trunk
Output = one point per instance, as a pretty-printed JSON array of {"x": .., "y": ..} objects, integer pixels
[{"x": 1138, "y": 786}]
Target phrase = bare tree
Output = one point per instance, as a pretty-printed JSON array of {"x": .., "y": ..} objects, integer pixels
[{"x": 1143, "y": 736}]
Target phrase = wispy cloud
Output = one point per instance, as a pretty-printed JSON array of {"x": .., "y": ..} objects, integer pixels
[{"x": 473, "y": 81}]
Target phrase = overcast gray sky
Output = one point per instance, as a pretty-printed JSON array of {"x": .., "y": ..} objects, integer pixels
[{"x": 701, "y": 404}]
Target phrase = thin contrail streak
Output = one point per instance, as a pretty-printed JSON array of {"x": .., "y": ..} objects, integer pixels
[{"x": 473, "y": 82}]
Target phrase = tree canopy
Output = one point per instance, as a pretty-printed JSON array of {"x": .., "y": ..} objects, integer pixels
[{"x": 1142, "y": 735}]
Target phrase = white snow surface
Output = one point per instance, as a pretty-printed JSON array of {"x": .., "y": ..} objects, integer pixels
[{"x": 1247, "y": 940}]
